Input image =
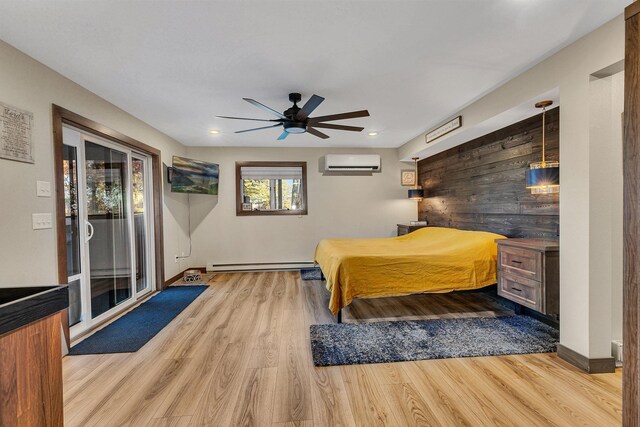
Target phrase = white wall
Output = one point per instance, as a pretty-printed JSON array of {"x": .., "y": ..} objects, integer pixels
[
  {"x": 339, "y": 206},
  {"x": 580, "y": 200},
  {"x": 28, "y": 257},
  {"x": 605, "y": 178},
  {"x": 617, "y": 194}
]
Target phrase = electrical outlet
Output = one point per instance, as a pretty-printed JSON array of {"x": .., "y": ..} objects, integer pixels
[
  {"x": 176, "y": 258},
  {"x": 41, "y": 221},
  {"x": 616, "y": 352}
]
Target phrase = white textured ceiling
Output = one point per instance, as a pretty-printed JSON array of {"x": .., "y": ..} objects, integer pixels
[{"x": 412, "y": 64}]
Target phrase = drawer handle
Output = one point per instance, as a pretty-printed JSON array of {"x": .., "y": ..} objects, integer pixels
[
  {"x": 516, "y": 262},
  {"x": 516, "y": 289}
]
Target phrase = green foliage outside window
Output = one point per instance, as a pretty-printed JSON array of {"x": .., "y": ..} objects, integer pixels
[{"x": 272, "y": 194}]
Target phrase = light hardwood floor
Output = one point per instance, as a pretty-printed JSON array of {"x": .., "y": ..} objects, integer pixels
[{"x": 240, "y": 356}]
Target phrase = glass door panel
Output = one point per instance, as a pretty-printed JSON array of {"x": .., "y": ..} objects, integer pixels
[
  {"x": 72, "y": 222},
  {"x": 138, "y": 175},
  {"x": 110, "y": 259}
]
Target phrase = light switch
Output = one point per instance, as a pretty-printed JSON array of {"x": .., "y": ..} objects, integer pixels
[
  {"x": 43, "y": 189},
  {"x": 41, "y": 221}
]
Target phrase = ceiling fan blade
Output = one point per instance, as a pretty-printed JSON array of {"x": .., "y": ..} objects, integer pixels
[
  {"x": 311, "y": 104},
  {"x": 283, "y": 135},
  {"x": 264, "y": 107},
  {"x": 338, "y": 127},
  {"x": 246, "y": 118},
  {"x": 264, "y": 127},
  {"x": 342, "y": 116},
  {"x": 317, "y": 133}
]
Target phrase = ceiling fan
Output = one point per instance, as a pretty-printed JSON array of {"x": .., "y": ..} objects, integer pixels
[{"x": 297, "y": 120}]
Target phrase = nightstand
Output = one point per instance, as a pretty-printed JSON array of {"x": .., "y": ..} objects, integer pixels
[
  {"x": 529, "y": 273},
  {"x": 407, "y": 228}
]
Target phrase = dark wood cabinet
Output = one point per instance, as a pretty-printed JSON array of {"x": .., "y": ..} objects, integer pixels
[
  {"x": 529, "y": 273},
  {"x": 31, "y": 356},
  {"x": 408, "y": 228}
]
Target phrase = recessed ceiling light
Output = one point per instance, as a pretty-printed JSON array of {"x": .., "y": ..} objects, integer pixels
[
  {"x": 373, "y": 134},
  {"x": 214, "y": 131}
]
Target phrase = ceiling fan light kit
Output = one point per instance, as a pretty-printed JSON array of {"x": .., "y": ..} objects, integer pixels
[{"x": 296, "y": 120}]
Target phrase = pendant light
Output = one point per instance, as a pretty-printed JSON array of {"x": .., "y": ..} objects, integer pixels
[
  {"x": 543, "y": 177},
  {"x": 416, "y": 193}
]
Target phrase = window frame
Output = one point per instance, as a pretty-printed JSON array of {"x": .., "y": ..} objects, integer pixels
[{"x": 240, "y": 165}]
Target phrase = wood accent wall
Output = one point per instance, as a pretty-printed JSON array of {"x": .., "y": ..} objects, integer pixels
[
  {"x": 480, "y": 185},
  {"x": 631, "y": 168}
]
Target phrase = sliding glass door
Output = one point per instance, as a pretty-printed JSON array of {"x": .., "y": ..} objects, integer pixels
[{"x": 109, "y": 225}]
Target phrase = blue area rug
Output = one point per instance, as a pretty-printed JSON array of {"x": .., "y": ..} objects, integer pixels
[
  {"x": 133, "y": 330},
  {"x": 382, "y": 342},
  {"x": 311, "y": 273}
]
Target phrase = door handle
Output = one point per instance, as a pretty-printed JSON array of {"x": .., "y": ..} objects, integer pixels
[{"x": 89, "y": 231}]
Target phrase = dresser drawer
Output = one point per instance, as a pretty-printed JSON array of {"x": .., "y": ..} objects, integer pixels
[
  {"x": 521, "y": 262},
  {"x": 520, "y": 290}
]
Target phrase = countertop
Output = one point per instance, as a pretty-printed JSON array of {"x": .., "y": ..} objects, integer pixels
[{"x": 24, "y": 305}]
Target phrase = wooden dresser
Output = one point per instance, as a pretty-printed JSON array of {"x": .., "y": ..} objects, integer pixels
[
  {"x": 529, "y": 273},
  {"x": 407, "y": 228}
]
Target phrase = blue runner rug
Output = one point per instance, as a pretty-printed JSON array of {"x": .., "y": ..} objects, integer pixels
[
  {"x": 133, "y": 330},
  {"x": 382, "y": 342}
]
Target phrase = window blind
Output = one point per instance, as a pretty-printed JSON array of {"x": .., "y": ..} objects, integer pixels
[{"x": 270, "y": 172}]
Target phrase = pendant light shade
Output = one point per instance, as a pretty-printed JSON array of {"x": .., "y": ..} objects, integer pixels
[
  {"x": 543, "y": 177},
  {"x": 417, "y": 192}
]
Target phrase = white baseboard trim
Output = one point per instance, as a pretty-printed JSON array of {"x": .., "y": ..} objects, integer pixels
[{"x": 261, "y": 266}]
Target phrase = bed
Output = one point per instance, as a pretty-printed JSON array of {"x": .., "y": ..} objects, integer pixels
[{"x": 431, "y": 259}]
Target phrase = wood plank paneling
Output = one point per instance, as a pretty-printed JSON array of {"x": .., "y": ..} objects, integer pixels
[
  {"x": 631, "y": 167},
  {"x": 480, "y": 185}
]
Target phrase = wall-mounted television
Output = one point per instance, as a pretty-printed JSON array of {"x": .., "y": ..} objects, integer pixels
[{"x": 194, "y": 176}]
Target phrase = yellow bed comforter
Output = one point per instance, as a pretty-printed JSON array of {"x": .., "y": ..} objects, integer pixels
[{"x": 430, "y": 259}]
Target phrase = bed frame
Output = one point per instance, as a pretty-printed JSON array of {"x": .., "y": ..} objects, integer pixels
[{"x": 517, "y": 308}]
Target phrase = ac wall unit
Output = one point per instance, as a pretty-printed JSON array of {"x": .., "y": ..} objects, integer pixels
[{"x": 351, "y": 162}]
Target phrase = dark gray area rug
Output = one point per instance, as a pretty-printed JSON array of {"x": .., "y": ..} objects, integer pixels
[
  {"x": 311, "y": 273},
  {"x": 381, "y": 342}
]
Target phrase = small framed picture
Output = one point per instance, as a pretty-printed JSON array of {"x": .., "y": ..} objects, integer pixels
[
  {"x": 246, "y": 206},
  {"x": 408, "y": 177}
]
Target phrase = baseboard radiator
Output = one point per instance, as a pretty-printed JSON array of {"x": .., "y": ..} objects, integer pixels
[{"x": 260, "y": 266}]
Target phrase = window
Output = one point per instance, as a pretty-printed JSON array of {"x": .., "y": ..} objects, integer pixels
[{"x": 271, "y": 188}]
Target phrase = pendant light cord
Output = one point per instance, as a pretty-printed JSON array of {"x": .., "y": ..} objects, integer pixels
[{"x": 544, "y": 113}]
